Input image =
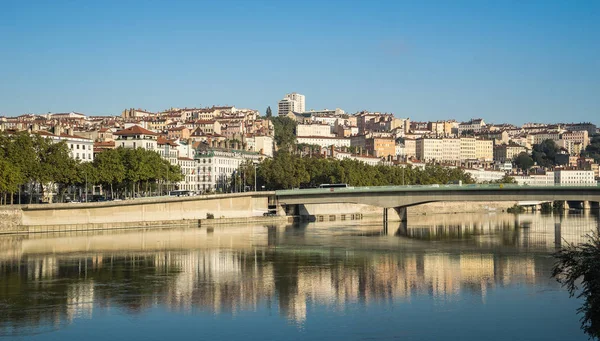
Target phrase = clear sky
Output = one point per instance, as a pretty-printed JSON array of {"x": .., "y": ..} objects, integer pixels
[{"x": 504, "y": 61}]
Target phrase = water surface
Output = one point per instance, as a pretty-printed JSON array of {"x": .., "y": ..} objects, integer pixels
[{"x": 468, "y": 277}]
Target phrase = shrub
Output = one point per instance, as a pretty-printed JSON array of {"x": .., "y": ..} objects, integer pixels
[{"x": 210, "y": 216}]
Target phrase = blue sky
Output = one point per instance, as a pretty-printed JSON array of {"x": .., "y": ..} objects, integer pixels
[{"x": 504, "y": 61}]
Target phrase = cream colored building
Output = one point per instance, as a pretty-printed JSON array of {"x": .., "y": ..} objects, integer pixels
[
  {"x": 324, "y": 141},
  {"x": 484, "y": 150},
  {"x": 574, "y": 177},
  {"x": 468, "y": 148},
  {"x": 507, "y": 152},
  {"x": 314, "y": 130}
]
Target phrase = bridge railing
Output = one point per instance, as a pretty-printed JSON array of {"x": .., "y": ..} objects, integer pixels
[{"x": 431, "y": 187}]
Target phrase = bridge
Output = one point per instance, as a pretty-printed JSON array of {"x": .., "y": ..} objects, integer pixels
[{"x": 401, "y": 197}]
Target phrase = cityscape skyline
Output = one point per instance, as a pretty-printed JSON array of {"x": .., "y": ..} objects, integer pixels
[{"x": 515, "y": 63}]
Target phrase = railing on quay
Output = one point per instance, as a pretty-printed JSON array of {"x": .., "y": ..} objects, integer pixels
[{"x": 436, "y": 187}]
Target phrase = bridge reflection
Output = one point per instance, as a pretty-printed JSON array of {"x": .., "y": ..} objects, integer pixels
[{"x": 537, "y": 230}]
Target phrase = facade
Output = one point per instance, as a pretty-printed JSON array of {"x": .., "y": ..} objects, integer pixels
[
  {"x": 543, "y": 136},
  {"x": 474, "y": 125},
  {"x": 484, "y": 150},
  {"x": 313, "y": 130},
  {"x": 507, "y": 152},
  {"x": 453, "y": 150},
  {"x": 541, "y": 179},
  {"x": 216, "y": 167},
  {"x": 324, "y": 141},
  {"x": 574, "y": 177},
  {"x": 293, "y": 102},
  {"x": 578, "y": 136},
  {"x": 80, "y": 148},
  {"x": 136, "y": 137},
  {"x": 190, "y": 177},
  {"x": 380, "y": 147},
  {"x": 485, "y": 175}
]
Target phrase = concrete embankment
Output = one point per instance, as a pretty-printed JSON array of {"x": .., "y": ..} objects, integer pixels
[
  {"x": 231, "y": 209},
  {"x": 144, "y": 212},
  {"x": 337, "y": 212}
]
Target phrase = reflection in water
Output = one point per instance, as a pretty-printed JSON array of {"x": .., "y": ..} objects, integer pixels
[{"x": 49, "y": 280}]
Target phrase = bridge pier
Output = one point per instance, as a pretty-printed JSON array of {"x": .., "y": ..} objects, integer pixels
[
  {"x": 585, "y": 205},
  {"x": 402, "y": 213}
]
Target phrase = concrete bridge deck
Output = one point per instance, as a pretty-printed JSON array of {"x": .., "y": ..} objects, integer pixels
[{"x": 400, "y": 197}]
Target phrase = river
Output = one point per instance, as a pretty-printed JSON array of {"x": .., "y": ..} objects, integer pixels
[{"x": 454, "y": 276}]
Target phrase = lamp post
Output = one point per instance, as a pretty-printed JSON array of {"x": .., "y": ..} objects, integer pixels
[
  {"x": 86, "y": 184},
  {"x": 255, "y": 177}
]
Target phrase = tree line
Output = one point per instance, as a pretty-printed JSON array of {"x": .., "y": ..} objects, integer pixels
[
  {"x": 288, "y": 170},
  {"x": 32, "y": 166}
]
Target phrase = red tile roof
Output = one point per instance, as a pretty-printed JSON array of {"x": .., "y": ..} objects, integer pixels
[{"x": 135, "y": 130}]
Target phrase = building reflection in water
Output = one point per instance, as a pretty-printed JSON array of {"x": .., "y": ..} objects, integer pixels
[{"x": 53, "y": 279}]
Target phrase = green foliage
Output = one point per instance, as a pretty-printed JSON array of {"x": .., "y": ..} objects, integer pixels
[
  {"x": 287, "y": 171},
  {"x": 269, "y": 113},
  {"x": 578, "y": 269},
  {"x": 210, "y": 216},
  {"x": 515, "y": 209},
  {"x": 523, "y": 161},
  {"x": 506, "y": 179},
  {"x": 593, "y": 149},
  {"x": 285, "y": 132},
  {"x": 30, "y": 158},
  {"x": 544, "y": 154}
]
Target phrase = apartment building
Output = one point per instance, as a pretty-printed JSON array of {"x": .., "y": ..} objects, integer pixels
[
  {"x": 216, "y": 167},
  {"x": 507, "y": 152},
  {"x": 136, "y": 137},
  {"x": 315, "y": 129},
  {"x": 577, "y": 177},
  {"x": 293, "y": 102}
]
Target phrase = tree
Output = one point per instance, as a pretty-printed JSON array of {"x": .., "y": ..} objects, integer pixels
[
  {"x": 544, "y": 154},
  {"x": 285, "y": 132},
  {"x": 506, "y": 179},
  {"x": 523, "y": 161},
  {"x": 110, "y": 169},
  {"x": 269, "y": 113},
  {"x": 582, "y": 262}
]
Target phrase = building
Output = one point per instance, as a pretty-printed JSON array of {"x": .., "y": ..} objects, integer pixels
[
  {"x": 323, "y": 141},
  {"x": 178, "y": 133},
  {"x": 574, "y": 177},
  {"x": 136, "y": 137},
  {"x": 484, "y": 150},
  {"x": 216, "y": 167},
  {"x": 473, "y": 126},
  {"x": 314, "y": 129},
  {"x": 545, "y": 135},
  {"x": 536, "y": 179},
  {"x": 481, "y": 175},
  {"x": 80, "y": 148},
  {"x": 293, "y": 102},
  {"x": 507, "y": 152},
  {"x": 380, "y": 147},
  {"x": 577, "y": 136},
  {"x": 189, "y": 170}
]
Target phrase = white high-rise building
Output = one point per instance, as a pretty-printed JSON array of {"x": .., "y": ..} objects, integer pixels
[{"x": 293, "y": 102}]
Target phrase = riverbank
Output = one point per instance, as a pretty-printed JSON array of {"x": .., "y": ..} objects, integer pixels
[{"x": 228, "y": 209}]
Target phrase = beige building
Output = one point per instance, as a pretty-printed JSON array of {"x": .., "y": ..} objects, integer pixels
[
  {"x": 314, "y": 130},
  {"x": 484, "y": 150},
  {"x": 468, "y": 148},
  {"x": 581, "y": 137},
  {"x": 507, "y": 152}
]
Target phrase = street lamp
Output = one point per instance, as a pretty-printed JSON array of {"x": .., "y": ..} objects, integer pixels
[{"x": 255, "y": 177}]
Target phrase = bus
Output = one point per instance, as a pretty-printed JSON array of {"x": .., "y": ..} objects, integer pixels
[
  {"x": 333, "y": 186},
  {"x": 181, "y": 193}
]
